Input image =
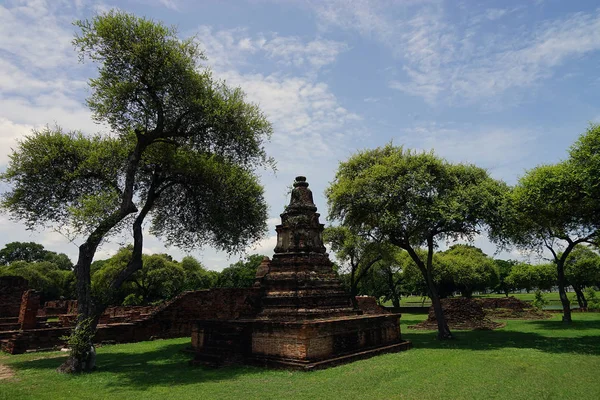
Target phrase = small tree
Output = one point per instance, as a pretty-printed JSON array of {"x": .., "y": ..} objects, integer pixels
[
  {"x": 504, "y": 269},
  {"x": 22, "y": 251},
  {"x": 32, "y": 252},
  {"x": 582, "y": 269},
  {"x": 196, "y": 275},
  {"x": 358, "y": 254},
  {"x": 413, "y": 199}
]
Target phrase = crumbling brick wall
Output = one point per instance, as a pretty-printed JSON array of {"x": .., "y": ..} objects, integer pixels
[
  {"x": 173, "y": 319},
  {"x": 176, "y": 318},
  {"x": 30, "y": 302},
  {"x": 368, "y": 305},
  {"x": 58, "y": 307},
  {"x": 11, "y": 291}
]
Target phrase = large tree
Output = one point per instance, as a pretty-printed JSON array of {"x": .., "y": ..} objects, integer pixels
[
  {"x": 413, "y": 199},
  {"x": 181, "y": 150},
  {"x": 555, "y": 207}
]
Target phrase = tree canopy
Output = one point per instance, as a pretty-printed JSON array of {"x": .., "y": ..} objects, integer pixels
[
  {"x": 582, "y": 269},
  {"x": 240, "y": 274},
  {"x": 411, "y": 200},
  {"x": 555, "y": 208},
  {"x": 182, "y": 150}
]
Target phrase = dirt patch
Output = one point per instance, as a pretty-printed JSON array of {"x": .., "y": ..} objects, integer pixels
[
  {"x": 460, "y": 314},
  {"x": 504, "y": 313},
  {"x": 6, "y": 372},
  {"x": 511, "y": 308}
]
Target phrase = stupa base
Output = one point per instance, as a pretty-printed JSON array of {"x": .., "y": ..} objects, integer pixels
[{"x": 303, "y": 345}]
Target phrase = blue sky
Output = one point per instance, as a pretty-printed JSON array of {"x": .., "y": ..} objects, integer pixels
[{"x": 506, "y": 85}]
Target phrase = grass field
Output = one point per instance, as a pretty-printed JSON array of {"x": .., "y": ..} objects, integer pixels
[
  {"x": 552, "y": 297},
  {"x": 524, "y": 360}
]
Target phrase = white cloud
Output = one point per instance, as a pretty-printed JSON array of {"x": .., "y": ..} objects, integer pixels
[
  {"x": 265, "y": 246},
  {"x": 292, "y": 50},
  {"x": 495, "y": 13},
  {"x": 231, "y": 48},
  {"x": 309, "y": 122},
  {"x": 172, "y": 4},
  {"x": 35, "y": 33},
  {"x": 67, "y": 112},
  {"x": 460, "y": 61},
  {"x": 9, "y": 134},
  {"x": 501, "y": 151}
]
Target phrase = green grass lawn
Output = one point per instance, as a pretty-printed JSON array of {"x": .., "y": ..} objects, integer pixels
[
  {"x": 524, "y": 360},
  {"x": 552, "y": 296}
]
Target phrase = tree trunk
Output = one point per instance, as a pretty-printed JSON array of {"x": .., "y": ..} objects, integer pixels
[
  {"x": 443, "y": 329},
  {"x": 353, "y": 287},
  {"x": 467, "y": 293},
  {"x": 566, "y": 304},
  {"x": 392, "y": 285},
  {"x": 581, "y": 300},
  {"x": 83, "y": 355}
]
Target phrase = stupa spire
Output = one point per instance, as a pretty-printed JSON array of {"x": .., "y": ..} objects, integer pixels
[{"x": 300, "y": 230}]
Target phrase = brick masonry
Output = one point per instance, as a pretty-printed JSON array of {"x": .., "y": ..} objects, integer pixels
[
  {"x": 11, "y": 291},
  {"x": 124, "y": 325},
  {"x": 30, "y": 303},
  {"x": 306, "y": 319}
]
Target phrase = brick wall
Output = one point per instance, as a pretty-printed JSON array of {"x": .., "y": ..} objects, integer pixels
[
  {"x": 11, "y": 290},
  {"x": 173, "y": 319},
  {"x": 30, "y": 302}
]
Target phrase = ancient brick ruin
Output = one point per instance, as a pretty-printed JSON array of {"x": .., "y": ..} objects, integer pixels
[
  {"x": 30, "y": 303},
  {"x": 11, "y": 291},
  {"x": 305, "y": 319},
  {"x": 296, "y": 315},
  {"x": 481, "y": 313},
  {"x": 39, "y": 329}
]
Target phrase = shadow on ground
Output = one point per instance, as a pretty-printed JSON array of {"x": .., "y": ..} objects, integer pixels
[
  {"x": 577, "y": 342},
  {"x": 576, "y": 325},
  {"x": 166, "y": 366}
]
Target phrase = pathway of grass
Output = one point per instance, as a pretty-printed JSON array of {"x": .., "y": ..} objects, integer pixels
[{"x": 524, "y": 360}]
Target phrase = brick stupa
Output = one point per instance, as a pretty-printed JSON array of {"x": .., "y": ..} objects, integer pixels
[{"x": 304, "y": 317}]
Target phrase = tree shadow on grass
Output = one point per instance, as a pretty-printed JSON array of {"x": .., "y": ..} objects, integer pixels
[
  {"x": 166, "y": 366},
  {"x": 501, "y": 338},
  {"x": 576, "y": 325}
]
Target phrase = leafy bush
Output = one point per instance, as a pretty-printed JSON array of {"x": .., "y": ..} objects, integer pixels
[
  {"x": 592, "y": 298},
  {"x": 540, "y": 301},
  {"x": 83, "y": 353}
]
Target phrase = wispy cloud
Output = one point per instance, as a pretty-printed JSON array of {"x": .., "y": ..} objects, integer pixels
[
  {"x": 33, "y": 32},
  {"x": 308, "y": 118},
  {"x": 231, "y": 48},
  {"x": 460, "y": 61},
  {"x": 504, "y": 152}
]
